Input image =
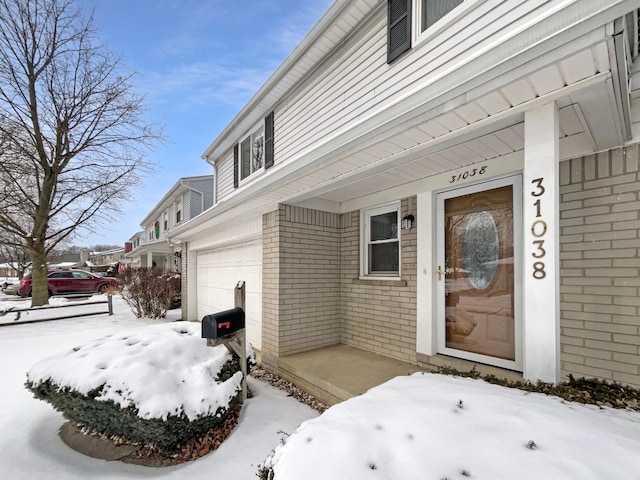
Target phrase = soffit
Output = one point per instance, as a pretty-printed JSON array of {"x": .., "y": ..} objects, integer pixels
[{"x": 587, "y": 120}]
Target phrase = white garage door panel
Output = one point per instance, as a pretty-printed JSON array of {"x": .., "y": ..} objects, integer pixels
[{"x": 219, "y": 271}]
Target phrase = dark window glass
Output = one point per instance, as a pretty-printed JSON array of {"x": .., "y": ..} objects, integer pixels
[
  {"x": 434, "y": 10},
  {"x": 383, "y": 258},
  {"x": 245, "y": 157},
  {"x": 384, "y": 227}
]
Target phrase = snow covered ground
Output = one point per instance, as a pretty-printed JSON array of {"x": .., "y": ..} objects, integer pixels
[
  {"x": 423, "y": 426},
  {"x": 29, "y": 444}
]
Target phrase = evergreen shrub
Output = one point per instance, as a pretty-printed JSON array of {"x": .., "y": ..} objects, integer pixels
[{"x": 109, "y": 419}]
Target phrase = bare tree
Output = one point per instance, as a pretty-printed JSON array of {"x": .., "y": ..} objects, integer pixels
[
  {"x": 73, "y": 135},
  {"x": 14, "y": 252}
]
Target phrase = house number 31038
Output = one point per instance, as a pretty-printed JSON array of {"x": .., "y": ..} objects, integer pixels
[{"x": 538, "y": 230}]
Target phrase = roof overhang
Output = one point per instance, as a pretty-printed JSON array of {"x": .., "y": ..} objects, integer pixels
[{"x": 385, "y": 147}]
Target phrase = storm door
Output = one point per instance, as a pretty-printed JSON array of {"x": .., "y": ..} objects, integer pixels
[{"x": 477, "y": 270}]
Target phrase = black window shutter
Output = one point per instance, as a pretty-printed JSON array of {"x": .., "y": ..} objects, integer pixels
[
  {"x": 398, "y": 28},
  {"x": 235, "y": 166},
  {"x": 268, "y": 141}
]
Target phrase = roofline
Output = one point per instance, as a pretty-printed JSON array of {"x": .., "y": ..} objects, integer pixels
[
  {"x": 176, "y": 187},
  {"x": 278, "y": 75}
]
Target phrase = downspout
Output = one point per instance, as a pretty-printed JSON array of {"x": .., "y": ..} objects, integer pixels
[
  {"x": 620, "y": 72},
  {"x": 196, "y": 191},
  {"x": 215, "y": 178}
]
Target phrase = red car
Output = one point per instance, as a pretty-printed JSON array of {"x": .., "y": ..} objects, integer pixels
[{"x": 71, "y": 281}]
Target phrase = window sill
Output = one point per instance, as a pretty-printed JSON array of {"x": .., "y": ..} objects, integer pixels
[{"x": 380, "y": 282}]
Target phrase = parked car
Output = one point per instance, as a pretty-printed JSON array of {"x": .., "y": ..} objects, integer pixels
[
  {"x": 10, "y": 288},
  {"x": 71, "y": 281}
]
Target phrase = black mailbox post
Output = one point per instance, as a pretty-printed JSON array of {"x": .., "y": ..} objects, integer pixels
[
  {"x": 228, "y": 328},
  {"x": 221, "y": 324}
]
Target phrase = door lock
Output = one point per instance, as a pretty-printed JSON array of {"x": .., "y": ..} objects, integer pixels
[{"x": 440, "y": 273}]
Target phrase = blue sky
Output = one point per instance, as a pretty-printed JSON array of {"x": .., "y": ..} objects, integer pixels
[{"x": 198, "y": 62}]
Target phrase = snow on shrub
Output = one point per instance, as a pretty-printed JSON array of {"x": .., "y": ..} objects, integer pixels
[{"x": 159, "y": 385}]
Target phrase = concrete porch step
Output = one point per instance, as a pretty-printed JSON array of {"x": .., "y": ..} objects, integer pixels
[{"x": 338, "y": 372}]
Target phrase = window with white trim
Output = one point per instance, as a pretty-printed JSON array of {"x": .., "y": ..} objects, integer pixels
[
  {"x": 251, "y": 153},
  {"x": 428, "y": 12},
  {"x": 165, "y": 221},
  {"x": 380, "y": 241},
  {"x": 178, "y": 210},
  {"x": 403, "y": 15}
]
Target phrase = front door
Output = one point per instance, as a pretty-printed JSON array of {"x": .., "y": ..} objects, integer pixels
[{"x": 478, "y": 295}]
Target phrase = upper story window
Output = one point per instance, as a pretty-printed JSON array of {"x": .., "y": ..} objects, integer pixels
[
  {"x": 399, "y": 21},
  {"x": 380, "y": 241},
  {"x": 178, "y": 210},
  {"x": 252, "y": 153},
  {"x": 430, "y": 11},
  {"x": 165, "y": 221}
]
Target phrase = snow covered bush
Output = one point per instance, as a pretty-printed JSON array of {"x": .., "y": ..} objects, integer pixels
[
  {"x": 150, "y": 292},
  {"x": 158, "y": 385}
]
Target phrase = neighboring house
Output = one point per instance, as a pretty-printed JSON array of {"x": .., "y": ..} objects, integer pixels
[
  {"x": 134, "y": 242},
  {"x": 107, "y": 257},
  {"x": 155, "y": 245},
  {"x": 8, "y": 270},
  {"x": 101, "y": 261},
  {"x": 441, "y": 182}
]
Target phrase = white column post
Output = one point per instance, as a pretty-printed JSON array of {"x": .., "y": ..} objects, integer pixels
[
  {"x": 541, "y": 284},
  {"x": 426, "y": 319}
]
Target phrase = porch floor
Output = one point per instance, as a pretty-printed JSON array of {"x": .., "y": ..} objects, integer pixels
[{"x": 338, "y": 372}]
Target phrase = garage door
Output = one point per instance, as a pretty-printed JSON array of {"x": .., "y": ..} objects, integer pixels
[{"x": 219, "y": 271}]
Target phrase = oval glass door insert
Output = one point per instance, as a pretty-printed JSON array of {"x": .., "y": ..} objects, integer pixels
[{"x": 481, "y": 249}]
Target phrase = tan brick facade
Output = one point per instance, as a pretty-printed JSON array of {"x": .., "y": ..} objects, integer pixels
[
  {"x": 313, "y": 295},
  {"x": 184, "y": 284},
  {"x": 600, "y": 266},
  {"x": 379, "y": 316},
  {"x": 301, "y": 264}
]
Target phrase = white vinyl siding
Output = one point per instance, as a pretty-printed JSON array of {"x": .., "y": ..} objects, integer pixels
[
  {"x": 224, "y": 177},
  {"x": 358, "y": 81}
]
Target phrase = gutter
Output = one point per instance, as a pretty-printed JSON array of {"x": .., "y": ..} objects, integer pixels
[{"x": 215, "y": 179}]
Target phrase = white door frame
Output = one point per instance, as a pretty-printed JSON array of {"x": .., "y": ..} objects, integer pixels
[{"x": 439, "y": 289}]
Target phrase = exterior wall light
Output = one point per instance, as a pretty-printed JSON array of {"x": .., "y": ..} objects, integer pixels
[{"x": 407, "y": 222}]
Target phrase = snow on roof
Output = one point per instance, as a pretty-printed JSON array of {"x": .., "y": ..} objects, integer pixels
[
  {"x": 63, "y": 265},
  {"x": 162, "y": 369},
  {"x": 436, "y": 426}
]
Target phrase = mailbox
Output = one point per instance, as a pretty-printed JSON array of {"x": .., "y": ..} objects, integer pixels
[{"x": 222, "y": 324}]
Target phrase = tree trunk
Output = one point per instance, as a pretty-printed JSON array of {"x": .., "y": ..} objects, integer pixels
[{"x": 39, "y": 272}]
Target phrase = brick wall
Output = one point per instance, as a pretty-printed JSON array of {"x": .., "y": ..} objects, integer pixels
[
  {"x": 379, "y": 316},
  {"x": 270, "y": 290},
  {"x": 301, "y": 263},
  {"x": 600, "y": 266},
  {"x": 184, "y": 269}
]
